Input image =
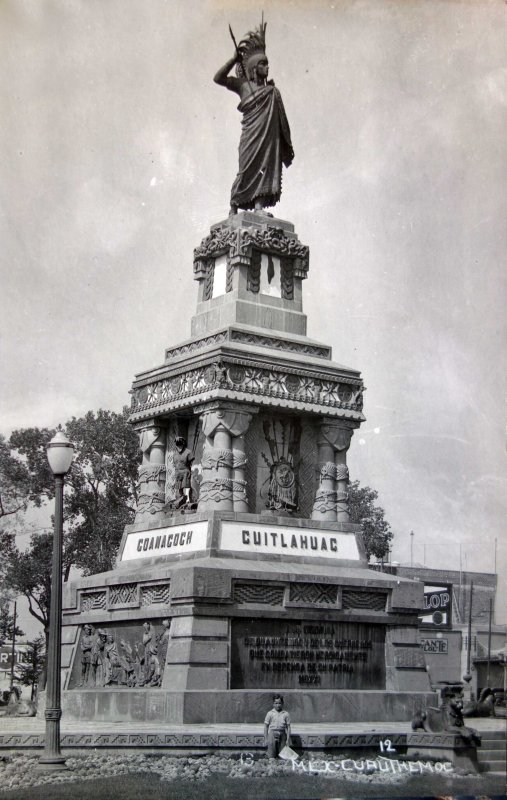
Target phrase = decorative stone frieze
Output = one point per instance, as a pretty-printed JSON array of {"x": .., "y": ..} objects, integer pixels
[
  {"x": 260, "y": 593},
  {"x": 93, "y": 601},
  {"x": 313, "y": 593},
  {"x": 240, "y": 243},
  {"x": 255, "y": 339},
  {"x": 254, "y": 378}
]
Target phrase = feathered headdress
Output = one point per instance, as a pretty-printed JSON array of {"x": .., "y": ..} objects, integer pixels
[{"x": 251, "y": 49}]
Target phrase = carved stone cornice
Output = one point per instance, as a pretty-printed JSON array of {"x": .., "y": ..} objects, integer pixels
[
  {"x": 251, "y": 338},
  {"x": 248, "y": 381},
  {"x": 238, "y": 244}
]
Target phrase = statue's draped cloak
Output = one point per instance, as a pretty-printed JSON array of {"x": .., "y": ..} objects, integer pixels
[{"x": 264, "y": 145}]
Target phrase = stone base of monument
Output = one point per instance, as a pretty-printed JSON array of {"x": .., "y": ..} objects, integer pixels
[
  {"x": 242, "y": 575},
  {"x": 237, "y": 706},
  {"x": 207, "y": 615},
  {"x": 442, "y": 747}
]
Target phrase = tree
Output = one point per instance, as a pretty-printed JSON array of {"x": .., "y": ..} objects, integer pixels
[
  {"x": 377, "y": 533},
  {"x": 100, "y": 496},
  {"x": 102, "y": 488},
  {"x": 6, "y": 596},
  {"x": 14, "y": 482},
  {"x": 7, "y": 630},
  {"x": 29, "y": 672},
  {"x": 100, "y": 493},
  {"x": 28, "y": 572}
]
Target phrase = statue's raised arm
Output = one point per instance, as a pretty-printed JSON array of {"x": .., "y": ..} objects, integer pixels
[{"x": 265, "y": 142}]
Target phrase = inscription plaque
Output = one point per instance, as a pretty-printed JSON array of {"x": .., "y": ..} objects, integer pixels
[
  {"x": 304, "y": 654},
  {"x": 288, "y": 541},
  {"x": 176, "y": 540}
]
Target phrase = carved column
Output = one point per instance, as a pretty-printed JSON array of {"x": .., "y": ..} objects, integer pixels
[
  {"x": 331, "y": 499},
  {"x": 342, "y": 485},
  {"x": 239, "y": 498},
  {"x": 223, "y": 486},
  {"x": 151, "y": 474},
  {"x": 324, "y": 507},
  {"x": 222, "y": 446}
]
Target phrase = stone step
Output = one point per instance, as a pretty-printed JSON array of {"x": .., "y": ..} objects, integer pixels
[
  {"x": 493, "y": 766},
  {"x": 487, "y": 755},
  {"x": 494, "y": 736},
  {"x": 493, "y": 744},
  {"x": 492, "y": 756}
]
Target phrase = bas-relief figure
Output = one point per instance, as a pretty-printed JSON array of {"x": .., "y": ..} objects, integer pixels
[
  {"x": 265, "y": 142},
  {"x": 283, "y": 439},
  {"x": 138, "y": 663},
  {"x": 86, "y": 654}
]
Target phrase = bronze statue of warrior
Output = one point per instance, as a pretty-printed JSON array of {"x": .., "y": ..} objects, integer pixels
[{"x": 265, "y": 142}]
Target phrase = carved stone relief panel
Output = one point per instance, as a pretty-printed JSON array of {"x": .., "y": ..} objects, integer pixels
[
  {"x": 122, "y": 654},
  {"x": 278, "y": 462}
]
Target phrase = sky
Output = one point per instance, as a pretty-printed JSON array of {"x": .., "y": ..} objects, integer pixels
[{"x": 117, "y": 153}]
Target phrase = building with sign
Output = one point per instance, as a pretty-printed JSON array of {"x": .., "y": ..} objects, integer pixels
[
  {"x": 21, "y": 653},
  {"x": 444, "y": 619}
]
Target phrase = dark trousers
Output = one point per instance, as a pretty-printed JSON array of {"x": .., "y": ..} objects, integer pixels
[{"x": 276, "y": 742}]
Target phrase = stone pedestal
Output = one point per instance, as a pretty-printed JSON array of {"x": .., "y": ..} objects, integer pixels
[{"x": 257, "y": 581}]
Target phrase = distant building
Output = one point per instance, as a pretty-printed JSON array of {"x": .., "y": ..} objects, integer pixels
[
  {"x": 444, "y": 624},
  {"x": 21, "y": 653}
]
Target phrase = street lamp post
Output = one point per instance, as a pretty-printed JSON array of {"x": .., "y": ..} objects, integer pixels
[{"x": 60, "y": 453}]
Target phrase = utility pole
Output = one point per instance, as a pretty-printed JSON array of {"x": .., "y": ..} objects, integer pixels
[
  {"x": 460, "y": 581},
  {"x": 13, "y": 651},
  {"x": 411, "y": 548},
  {"x": 467, "y": 677},
  {"x": 489, "y": 642}
]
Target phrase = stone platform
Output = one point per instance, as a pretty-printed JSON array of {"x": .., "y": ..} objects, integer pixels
[
  {"x": 255, "y": 605},
  {"x": 358, "y": 738},
  {"x": 229, "y": 706}
]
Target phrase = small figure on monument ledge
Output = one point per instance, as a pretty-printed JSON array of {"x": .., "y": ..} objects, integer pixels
[
  {"x": 183, "y": 459},
  {"x": 265, "y": 142}
]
